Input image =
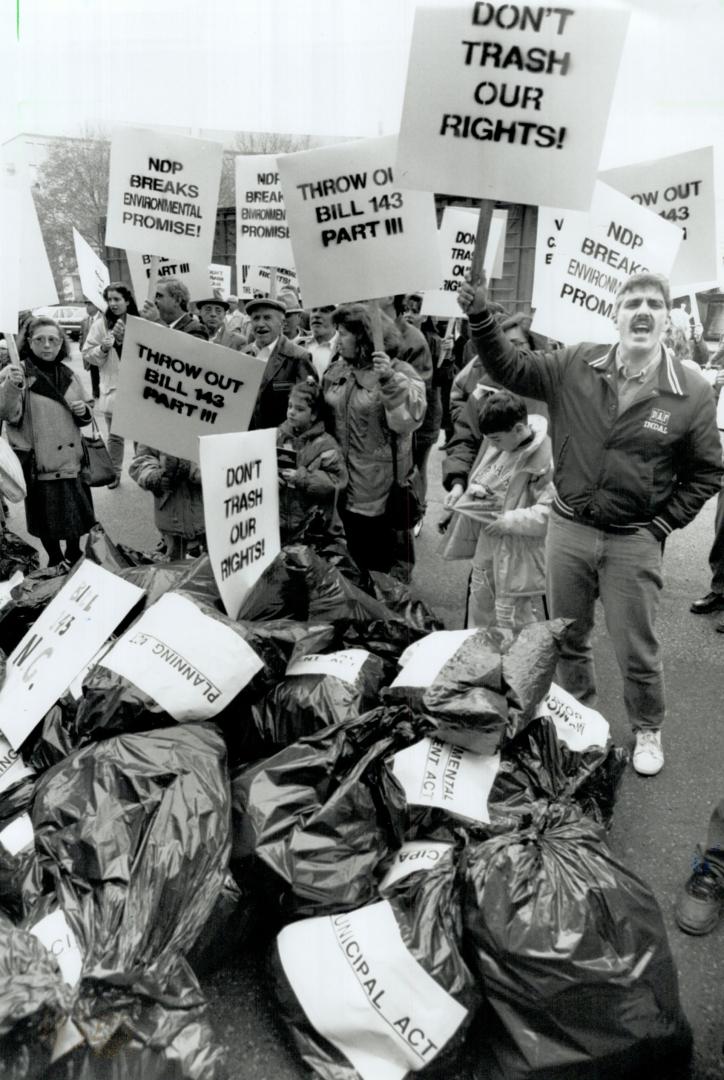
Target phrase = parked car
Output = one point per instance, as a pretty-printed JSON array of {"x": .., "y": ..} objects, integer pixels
[{"x": 69, "y": 316}]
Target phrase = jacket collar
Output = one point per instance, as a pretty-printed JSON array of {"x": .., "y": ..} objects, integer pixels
[{"x": 672, "y": 377}]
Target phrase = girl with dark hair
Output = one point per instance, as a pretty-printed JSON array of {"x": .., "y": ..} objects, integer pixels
[
  {"x": 102, "y": 349},
  {"x": 373, "y": 403},
  {"x": 44, "y": 405}
]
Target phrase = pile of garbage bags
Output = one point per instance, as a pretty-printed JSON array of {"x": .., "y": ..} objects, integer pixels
[{"x": 415, "y": 818}]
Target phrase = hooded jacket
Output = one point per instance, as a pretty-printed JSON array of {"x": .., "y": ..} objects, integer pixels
[
  {"x": 181, "y": 510},
  {"x": 321, "y": 477}
]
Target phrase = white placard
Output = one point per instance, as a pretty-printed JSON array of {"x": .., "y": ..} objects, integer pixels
[
  {"x": 18, "y": 835},
  {"x": 61, "y": 641},
  {"x": 6, "y": 588},
  {"x": 680, "y": 189},
  {"x": 9, "y": 257},
  {"x": 12, "y": 766},
  {"x": 163, "y": 191},
  {"x": 345, "y": 664},
  {"x": 507, "y": 101},
  {"x": 594, "y": 254},
  {"x": 364, "y": 992},
  {"x": 423, "y": 661},
  {"x": 259, "y": 278},
  {"x": 36, "y": 286},
  {"x": 173, "y": 388},
  {"x": 413, "y": 856},
  {"x": 436, "y": 773},
  {"x": 200, "y": 280},
  {"x": 578, "y": 726},
  {"x": 720, "y": 410},
  {"x": 456, "y": 236},
  {"x": 55, "y": 934},
  {"x": 93, "y": 272},
  {"x": 549, "y": 226},
  {"x": 262, "y": 233},
  {"x": 356, "y": 232},
  {"x": 190, "y": 664},
  {"x": 240, "y": 483},
  {"x": 67, "y": 1038}
]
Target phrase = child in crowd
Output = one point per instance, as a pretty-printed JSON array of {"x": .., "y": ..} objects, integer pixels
[
  {"x": 177, "y": 503},
  {"x": 498, "y": 472},
  {"x": 312, "y": 473}
]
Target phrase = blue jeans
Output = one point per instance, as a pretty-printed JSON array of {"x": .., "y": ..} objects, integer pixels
[{"x": 583, "y": 564}]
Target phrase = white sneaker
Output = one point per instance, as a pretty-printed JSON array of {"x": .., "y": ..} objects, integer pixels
[
  {"x": 417, "y": 529},
  {"x": 648, "y": 756}
]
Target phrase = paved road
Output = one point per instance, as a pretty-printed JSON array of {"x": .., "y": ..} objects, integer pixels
[{"x": 657, "y": 821}]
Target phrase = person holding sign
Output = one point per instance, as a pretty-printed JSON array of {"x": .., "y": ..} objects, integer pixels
[
  {"x": 170, "y": 306},
  {"x": 286, "y": 363},
  {"x": 374, "y": 403},
  {"x": 637, "y": 455},
  {"x": 102, "y": 350},
  {"x": 177, "y": 502},
  {"x": 44, "y": 405}
]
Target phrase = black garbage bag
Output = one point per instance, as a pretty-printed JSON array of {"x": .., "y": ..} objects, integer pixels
[
  {"x": 401, "y": 599},
  {"x": 318, "y": 691},
  {"x": 198, "y": 582},
  {"x": 33, "y": 1002},
  {"x": 21, "y": 880},
  {"x": 572, "y": 956},
  {"x": 383, "y": 986},
  {"x": 313, "y": 815},
  {"x": 99, "y": 548},
  {"x": 231, "y": 926},
  {"x": 16, "y": 554},
  {"x": 28, "y": 599}
]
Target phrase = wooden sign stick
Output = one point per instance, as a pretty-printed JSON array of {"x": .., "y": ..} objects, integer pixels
[
  {"x": 272, "y": 283},
  {"x": 481, "y": 241},
  {"x": 152, "y": 278},
  {"x": 12, "y": 350},
  {"x": 378, "y": 337}
]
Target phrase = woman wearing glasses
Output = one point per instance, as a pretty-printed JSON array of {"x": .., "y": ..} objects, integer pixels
[{"x": 44, "y": 406}]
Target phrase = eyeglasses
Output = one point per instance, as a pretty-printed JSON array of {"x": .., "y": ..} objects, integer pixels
[{"x": 45, "y": 341}]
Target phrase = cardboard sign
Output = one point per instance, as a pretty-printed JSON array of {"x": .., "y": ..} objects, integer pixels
[
  {"x": 190, "y": 664},
  {"x": 436, "y": 773},
  {"x": 344, "y": 665},
  {"x": 36, "y": 286},
  {"x": 262, "y": 233},
  {"x": 550, "y": 223},
  {"x": 259, "y": 278},
  {"x": 93, "y": 272},
  {"x": 200, "y": 280},
  {"x": 364, "y": 991},
  {"x": 680, "y": 189},
  {"x": 578, "y": 726},
  {"x": 594, "y": 254},
  {"x": 422, "y": 661},
  {"x": 18, "y": 835},
  {"x": 55, "y": 934},
  {"x": 162, "y": 194},
  {"x": 413, "y": 856},
  {"x": 9, "y": 257},
  {"x": 241, "y": 509},
  {"x": 456, "y": 237},
  {"x": 356, "y": 233},
  {"x": 509, "y": 101},
  {"x": 174, "y": 387},
  {"x": 59, "y": 644},
  {"x": 12, "y": 766}
]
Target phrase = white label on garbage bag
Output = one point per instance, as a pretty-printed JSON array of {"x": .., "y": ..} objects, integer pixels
[
  {"x": 18, "y": 835},
  {"x": 66, "y": 1039},
  {"x": 190, "y": 664},
  {"x": 365, "y": 993},
  {"x": 345, "y": 665},
  {"x": 576, "y": 725},
  {"x": 59, "y": 644},
  {"x": 414, "y": 855},
  {"x": 6, "y": 587},
  {"x": 436, "y": 773},
  {"x": 423, "y": 661},
  {"x": 54, "y": 932},
  {"x": 76, "y": 687},
  {"x": 12, "y": 767}
]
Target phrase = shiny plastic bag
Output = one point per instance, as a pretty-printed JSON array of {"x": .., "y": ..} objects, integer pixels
[
  {"x": 572, "y": 956},
  {"x": 28, "y": 600},
  {"x": 16, "y": 554},
  {"x": 20, "y": 873}
]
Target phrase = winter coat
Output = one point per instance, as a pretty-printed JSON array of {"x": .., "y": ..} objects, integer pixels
[
  {"x": 518, "y": 554},
  {"x": 475, "y": 374},
  {"x": 47, "y": 427},
  {"x": 654, "y": 465},
  {"x": 108, "y": 363},
  {"x": 321, "y": 477},
  {"x": 363, "y": 412},
  {"x": 189, "y": 324},
  {"x": 287, "y": 365},
  {"x": 181, "y": 510}
]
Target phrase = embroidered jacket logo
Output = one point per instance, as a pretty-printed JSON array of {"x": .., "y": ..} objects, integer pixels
[{"x": 658, "y": 421}]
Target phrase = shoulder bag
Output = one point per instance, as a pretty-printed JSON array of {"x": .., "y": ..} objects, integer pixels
[
  {"x": 405, "y": 502},
  {"x": 97, "y": 469}
]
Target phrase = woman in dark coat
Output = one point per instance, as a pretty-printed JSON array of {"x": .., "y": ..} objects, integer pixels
[{"x": 44, "y": 407}]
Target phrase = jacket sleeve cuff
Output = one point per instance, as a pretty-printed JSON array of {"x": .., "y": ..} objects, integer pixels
[
  {"x": 480, "y": 321},
  {"x": 660, "y": 527}
]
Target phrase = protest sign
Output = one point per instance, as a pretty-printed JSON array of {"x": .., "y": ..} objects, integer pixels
[
  {"x": 508, "y": 101},
  {"x": 241, "y": 509},
  {"x": 259, "y": 278},
  {"x": 36, "y": 287},
  {"x": 12, "y": 767},
  {"x": 9, "y": 257},
  {"x": 262, "y": 233},
  {"x": 162, "y": 194},
  {"x": 173, "y": 387},
  {"x": 457, "y": 242},
  {"x": 61, "y": 641},
  {"x": 681, "y": 189},
  {"x": 594, "y": 254},
  {"x": 356, "y": 233},
  {"x": 193, "y": 666},
  {"x": 200, "y": 280},
  {"x": 93, "y": 272},
  {"x": 550, "y": 223}
]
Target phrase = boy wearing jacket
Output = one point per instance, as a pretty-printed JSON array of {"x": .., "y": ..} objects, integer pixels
[
  {"x": 312, "y": 473},
  {"x": 498, "y": 473},
  {"x": 177, "y": 503}
]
